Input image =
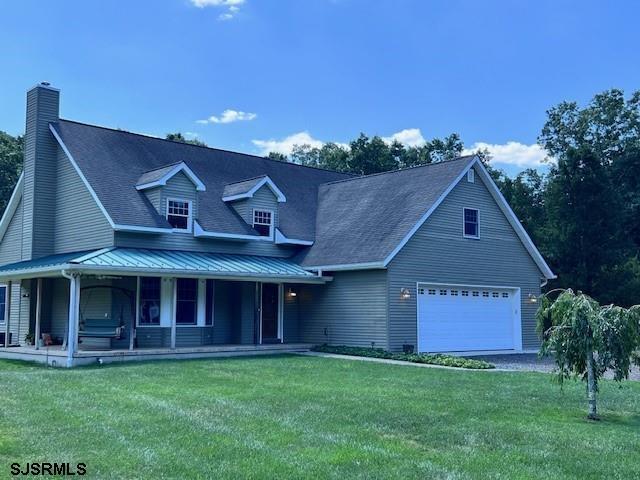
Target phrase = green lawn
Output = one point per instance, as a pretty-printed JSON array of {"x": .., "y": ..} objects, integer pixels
[{"x": 307, "y": 417}]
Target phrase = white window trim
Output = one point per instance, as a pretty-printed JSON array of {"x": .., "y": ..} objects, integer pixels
[
  {"x": 138, "y": 305},
  {"x": 6, "y": 296},
  {"x": 189, "y": 228},
  {"x": 175, "y": 305},
  {"x": 272, "y": 227},
  {"x": 474, "y": 237},
  {"x": 471, "y": 176}
]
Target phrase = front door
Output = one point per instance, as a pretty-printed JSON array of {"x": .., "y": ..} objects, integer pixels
[{"x": 270, "y": 314}]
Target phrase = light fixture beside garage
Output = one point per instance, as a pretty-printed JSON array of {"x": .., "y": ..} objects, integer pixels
[
  {"x": 291, "y": 293},
  {"x": 533, "y": 298},
  {"x": 405, "y": 293}
]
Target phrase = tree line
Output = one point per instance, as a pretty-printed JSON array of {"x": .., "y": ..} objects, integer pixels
[{"x": 583, "y": 213}]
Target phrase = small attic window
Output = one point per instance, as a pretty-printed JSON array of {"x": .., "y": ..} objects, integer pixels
[
  {"x": 471, "y": 176},
  {"x": 263, "y": 222},
  {"x": 179, "y": 214}
]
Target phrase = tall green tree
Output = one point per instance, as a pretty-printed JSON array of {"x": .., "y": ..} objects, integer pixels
[
  {"x": 591, "y": 200},
  {"x": 179, "y": 137},
  {"x": 11, "y": 158}
]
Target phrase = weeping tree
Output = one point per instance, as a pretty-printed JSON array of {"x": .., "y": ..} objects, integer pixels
[{"x": 587, "y": 339}]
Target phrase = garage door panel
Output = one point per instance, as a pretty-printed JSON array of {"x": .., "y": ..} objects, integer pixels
[{"x": 465, "y": 319}]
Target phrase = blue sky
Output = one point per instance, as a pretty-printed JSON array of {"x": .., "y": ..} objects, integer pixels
[{"x": 292, "y": 71}]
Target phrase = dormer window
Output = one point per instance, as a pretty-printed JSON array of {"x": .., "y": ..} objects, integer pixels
[
  {"x": 179, "y": 214},
  {"x": 263, "y": 222}
]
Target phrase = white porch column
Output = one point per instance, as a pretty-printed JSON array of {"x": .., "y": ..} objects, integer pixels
[
  {"x": 38, "y": 313},
  {"x": 173, "y": 314},
  {"x": 74, "y": 317},
  {"x": 135, "y": 321},
  {"x": 7, "y": 314}
]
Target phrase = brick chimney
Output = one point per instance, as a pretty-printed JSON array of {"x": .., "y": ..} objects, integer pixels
[{"x": 40, "y": 152}]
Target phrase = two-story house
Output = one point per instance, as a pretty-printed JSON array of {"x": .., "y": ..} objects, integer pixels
[{"x": 116, "y": 245}]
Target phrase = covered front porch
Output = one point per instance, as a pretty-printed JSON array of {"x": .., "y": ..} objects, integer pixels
[{"x": 136, "y": 304}]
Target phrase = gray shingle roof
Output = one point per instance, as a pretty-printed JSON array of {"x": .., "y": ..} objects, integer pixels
[
  {"x": 243, "y": 186},
  {"x": 127, "y": 156},
  {"x": 155, "y": 174},
  {"x": 362, "y": 220}
]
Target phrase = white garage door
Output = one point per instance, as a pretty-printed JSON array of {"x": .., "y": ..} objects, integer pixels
[{"x": 458, "y": 319}]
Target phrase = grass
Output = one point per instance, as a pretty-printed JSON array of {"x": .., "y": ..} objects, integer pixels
[
  {"x": 431, "y": 359},
  {"x": 311, "y": 417}
]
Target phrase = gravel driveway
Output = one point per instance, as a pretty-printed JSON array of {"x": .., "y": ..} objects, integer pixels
[{"x": 530, "y": 362}]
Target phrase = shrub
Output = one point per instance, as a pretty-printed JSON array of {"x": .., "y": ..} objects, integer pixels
[{"x": 431, "y": 359}]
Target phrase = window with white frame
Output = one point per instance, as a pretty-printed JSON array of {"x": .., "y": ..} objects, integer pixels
[
  {"x": 149, "y": 301},
  {"x": 263, "y": 222},
  {"x": 471, "y": 223},
  {"x": 186, "y": 301},
  {"x": 3, "y": 301},
  {"x": 179, "y": 214}
]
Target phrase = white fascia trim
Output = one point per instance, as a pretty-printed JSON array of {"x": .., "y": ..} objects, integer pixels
[
  {"x": 136, "y": 229},
  {"x": 430, "y": 211},
  {"x": 347, "y": 266},
  {"x": 199, "y": 232},
  {"x": 282, "y": 240},
  {"x": 265, "y": 181},
  {"x": 82, "y": 177},
  {"x": 515, "y": 223},
  {"x": 181, "y": 167},
  {"x": 12, "y": 206}
]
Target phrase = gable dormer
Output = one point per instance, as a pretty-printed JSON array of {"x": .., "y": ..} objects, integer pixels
[
  {"x": 173, "y": 191},
  {"x": 257, "y": 201}
]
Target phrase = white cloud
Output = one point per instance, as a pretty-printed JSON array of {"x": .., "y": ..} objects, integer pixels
[
  {"x": 286, "y": 145},
  {"x": 232, "y": 7},
  {"x": 512, "y": 153},
  {"x": 229, "y": 116},
  {"x": 410, "y": 137}
]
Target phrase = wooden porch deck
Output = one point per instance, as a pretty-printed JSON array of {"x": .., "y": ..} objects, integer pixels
[{"x": 56, "y": 357}]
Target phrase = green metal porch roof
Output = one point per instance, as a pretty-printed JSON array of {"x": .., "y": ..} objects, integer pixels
[{"x": 160, "y": 262}]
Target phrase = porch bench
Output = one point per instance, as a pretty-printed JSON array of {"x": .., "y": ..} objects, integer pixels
[{"x": 100, "y": 328}]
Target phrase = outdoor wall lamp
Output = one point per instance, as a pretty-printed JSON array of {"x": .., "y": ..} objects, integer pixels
[
  {"x": 405, "y": 293},
  {"x": 291, "y": 293},
  {"x": 533, "y": 298}
]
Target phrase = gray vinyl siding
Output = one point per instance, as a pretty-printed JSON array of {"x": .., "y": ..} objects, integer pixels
[
  {"x": 154, "y": 195},
  {"x": 291, "y": 318},
  {"x": 11, "y": 244},
  {"x": 352, "y": 309},
  {"x": 263, "y": 199},
  {"x": 187, "y": 242},
  {"x": 180, "y": 187},
  {"x": 79, "y": 222},
  {"x": 439, "y": 253},
  {"x": 226, "y": 312},
  {"x": 247, "y": 312},
  {"x": 19, "y": 314},
  {"x": 39, "y": 171}
]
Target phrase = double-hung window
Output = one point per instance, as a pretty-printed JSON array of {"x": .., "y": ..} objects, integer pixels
[
  {"x": 179, "y": 214},
  {"x": 471, "y": 222},
  {"x": 263, "y": 222},
  {"x": 149, "y": 301},
  {"x": 186, "y": 301}
]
